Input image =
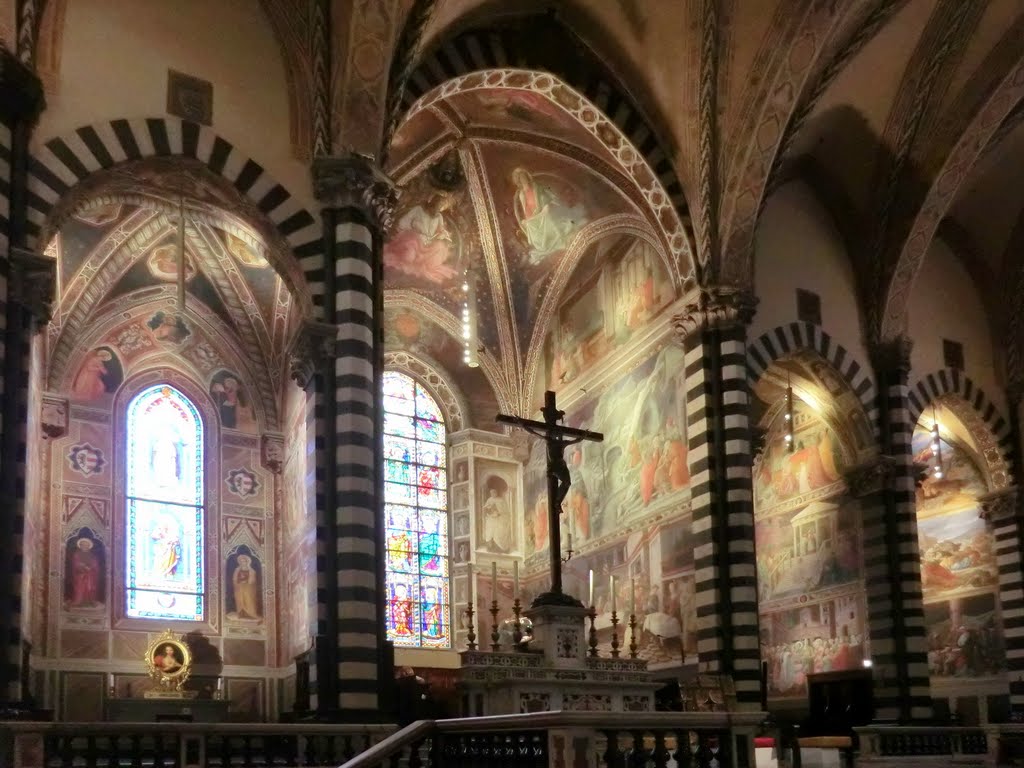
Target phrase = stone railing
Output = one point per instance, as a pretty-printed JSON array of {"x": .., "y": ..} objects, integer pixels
[
  {"x": 612, "y": 740},
  {"x": 183, "y": 745},
  {"x": 928, "y": 745}
]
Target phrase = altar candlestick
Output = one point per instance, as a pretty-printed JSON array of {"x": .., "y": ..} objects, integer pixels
[
  {"x": 515, "y": 578},
  {"x": 632, "y": 596},
  {"x": 494, "y": 581},
  {"x": 614, "y": 601},
  {"x": 591, "y": 592}
]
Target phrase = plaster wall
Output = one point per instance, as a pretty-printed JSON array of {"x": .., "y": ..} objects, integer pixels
[
  {"x": 798, "y": 246},
  {"x": 945, "y": 304},
  {"x": 228, "y": 42}
]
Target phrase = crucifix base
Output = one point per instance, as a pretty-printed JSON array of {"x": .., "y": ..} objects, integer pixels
[{"x": 556, "y": 599}]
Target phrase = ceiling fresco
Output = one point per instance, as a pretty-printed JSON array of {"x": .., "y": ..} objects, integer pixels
[
  {"x": 506, "y": 188},
  {"x": 118, "y": 263}
]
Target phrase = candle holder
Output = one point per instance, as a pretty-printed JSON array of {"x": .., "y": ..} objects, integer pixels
[
  {"x": 517, "y": 628},
  {"x": 632, "y": 636},
  {"x": 615, "y": 635},
  {"x": 471, "y": 635},
  {"x": 593, "y": 633},
  {"x": 568, "y": 554},
  {"x": 495, "y": 645}
]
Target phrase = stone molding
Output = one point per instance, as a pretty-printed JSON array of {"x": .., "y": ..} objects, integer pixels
[
  {"x": 312, "y": 346},
  {"x": 892, "y": 354},
  {"x": 53, "y": 420},
  {"x": 34, "y": 277},
  {"x": 999, "y": 505},
  {"x": 355, "y": 180},
  {"x": 714, "y": 307}
]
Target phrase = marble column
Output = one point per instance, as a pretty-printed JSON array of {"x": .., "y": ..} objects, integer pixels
[
  {"x": 712, "y": 330},
  {"x": 21, "y": 100},
  {"x": 1000, "y": 509},
  {"x": 358, "y": 203},
  {"x": 892, "y": 560}
]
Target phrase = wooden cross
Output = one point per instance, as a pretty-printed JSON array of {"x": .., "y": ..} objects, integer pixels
[{"x": 557, "y": 436}]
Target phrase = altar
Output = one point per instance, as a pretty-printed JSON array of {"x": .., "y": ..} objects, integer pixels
[{"x": 133, "y": 710}]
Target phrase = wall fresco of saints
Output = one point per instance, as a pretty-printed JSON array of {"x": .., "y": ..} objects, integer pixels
[
  {"x": 959, "y": 573},
  {"x": 809, "y": 559}
]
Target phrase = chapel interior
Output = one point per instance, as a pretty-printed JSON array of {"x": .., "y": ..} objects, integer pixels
[{"x": 270, "y": 271}]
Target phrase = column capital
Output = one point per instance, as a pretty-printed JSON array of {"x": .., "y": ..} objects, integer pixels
[
  {"x": 33, "y": 277},
  {"x": 21, "y": 91},
  {"x": 355, "y": 180},
  {"x": 272, "y": 451},
  {"x": 54, "y": 417},
  {"x": 999, "y": 505},
  {"x": 869, "y": 477},
  {"x": 892, "y": 354},
  {"x": 313, "y": 345},
  {"x": 716, "y": 306}
]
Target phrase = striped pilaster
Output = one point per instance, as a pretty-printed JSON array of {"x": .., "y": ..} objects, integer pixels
[
  {"x": 1001, "y": 510},
  {"x": 358, "y": 199},
  {"x": 892, "y": 564},
  {"x": 712, "y": 329},
  {"x": 20, "y": 101}
]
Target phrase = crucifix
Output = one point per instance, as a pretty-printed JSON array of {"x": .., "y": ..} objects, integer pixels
[{"x": 557, "y": 436}]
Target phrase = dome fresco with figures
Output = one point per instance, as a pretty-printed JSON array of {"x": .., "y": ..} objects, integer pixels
[{"x": 507, "y": 188}]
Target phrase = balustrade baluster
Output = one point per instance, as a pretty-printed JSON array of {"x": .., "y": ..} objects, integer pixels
[
  {"x": 660, "y": 754},
  {"x": 613, "y": 757},
  {"x": 136, "y": 751},
  {"x": 112, "y": 752},
  {"x": 637, "y": 753},
  {"x": 683, "y": 754},
  {"x": 66, "y": 751},
  {"x": 721, "y": 748},
  {"x": 308, "y": 750},
  {"x": 703, "y": 756}
]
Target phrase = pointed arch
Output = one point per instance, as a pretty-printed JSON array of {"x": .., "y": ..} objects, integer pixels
[
  {"x": 58, "y": 165},
  {"x": 787, "y": 339}
]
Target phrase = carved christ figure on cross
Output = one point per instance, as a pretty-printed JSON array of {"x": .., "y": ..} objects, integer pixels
[{"x": 557, "y": 436}]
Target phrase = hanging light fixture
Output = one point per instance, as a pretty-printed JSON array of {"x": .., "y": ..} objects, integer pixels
[
  {"x": 937, "y": 471},
  {"x": 469, "y": 335},
  {"x": 788, "y": 416}
]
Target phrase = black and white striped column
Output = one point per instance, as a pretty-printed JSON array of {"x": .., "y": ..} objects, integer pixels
[
  {"x": 1000, "y": 509},
  {"x": 20, "y": 101},
  {"x": 358, "y": 202},
  {"x": 892, "y": 561},
  {"x": 712, "y": 329}
]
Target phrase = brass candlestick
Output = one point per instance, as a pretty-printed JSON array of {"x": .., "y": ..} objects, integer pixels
[
  {"x": 495, "y": 645},
  {"x": 517, "y": 629},
  {"x": 593, "y": 633},
  {"x": 632, "y": 641},
  {"x": 615, "y": 635},
  {"x": 471, "y": 636}
]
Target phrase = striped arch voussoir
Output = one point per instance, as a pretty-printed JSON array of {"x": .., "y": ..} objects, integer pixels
[
  {"x": 61, "y": 163},
  {"x": 794, "y": 337},
  {"x": 952, "y": 382}
]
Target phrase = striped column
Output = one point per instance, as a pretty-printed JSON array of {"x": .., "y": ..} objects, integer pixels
[
  {"x": 712, "y": 330},
  {"x": 20, "y": 101},
  {"x": 1000, "y": 509},
  {"x": 358, "y": 202},
  {"x": 892, "y": 562}
]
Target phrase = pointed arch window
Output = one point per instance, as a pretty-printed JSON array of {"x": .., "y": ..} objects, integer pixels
[
  {"x": 416, "y": 515},
  {"x": 165, "y": 509}
]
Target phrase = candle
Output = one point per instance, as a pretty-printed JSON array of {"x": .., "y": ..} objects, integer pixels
[
  {"x": 632, "y": 597},
  {"x": 220, "y": 683},
  {"x": 110, "y": 681},
  {"x": 469, "y": 590},
  {"x": 591, "y": 592},
  {"x": 515, "y": 578},
  {"x": 494, "y": 581},
  {"x": 612, "y": 587}
]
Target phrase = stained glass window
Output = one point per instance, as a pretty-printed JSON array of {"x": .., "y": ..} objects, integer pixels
[
  {"x": 165, "y": 507},
  {"x": 416, "y": 515}
]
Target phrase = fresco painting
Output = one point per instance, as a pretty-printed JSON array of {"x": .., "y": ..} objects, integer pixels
[
  {"x": 98, "y": 376},
  {"x": 85, "y": 571},
  {"x": 243, "y": 596},
  {"x": 959, "y": 571},
  {"x": 620, "y": 288},
  {"x": 496, "y": 498},
  {"x": 639, "y": 468},
  {"x": 809, "y": 558}
]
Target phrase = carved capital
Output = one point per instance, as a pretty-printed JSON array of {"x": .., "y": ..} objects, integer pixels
[
  {"x": 53, "y": 419},
  {"x": 999, "y": 505},
  {"x": 272, "y": 452},
  {"x": 33, "y": 278},
  {"x": 869, "y": 477},
  {"x": 892, "y": 355},
  {"x": 719, "y": 306},
  {"x": 313, "y": 345},
  {"x": 355, "y": 180}
]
